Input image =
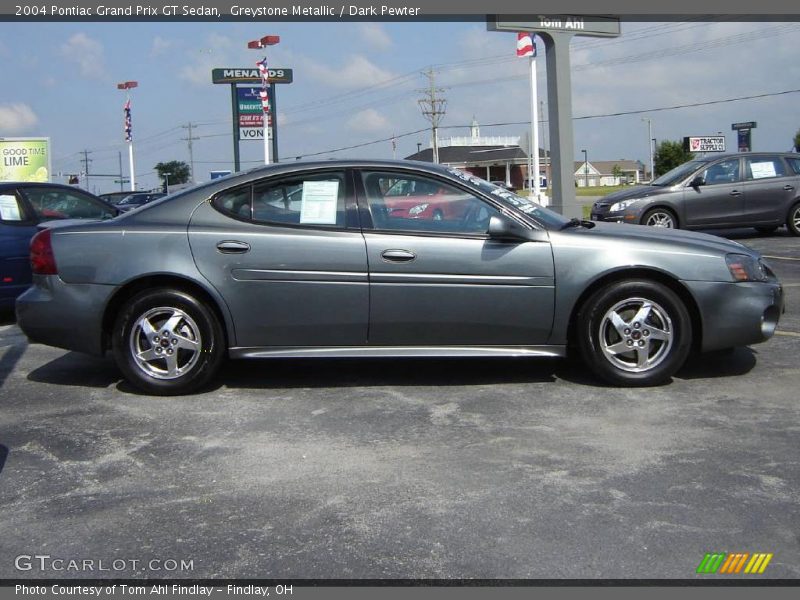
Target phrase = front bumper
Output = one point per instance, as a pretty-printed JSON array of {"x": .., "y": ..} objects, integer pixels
[
  {"x": 603, "y": 215},
  {"x": 737, "y": 314},
  {"x": 68, "y": 316}
]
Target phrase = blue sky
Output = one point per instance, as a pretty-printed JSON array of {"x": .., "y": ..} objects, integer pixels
[{"x": 356, "y": 82}]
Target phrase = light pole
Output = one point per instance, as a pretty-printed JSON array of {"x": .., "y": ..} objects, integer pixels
[
  {"x": 267, "y": 40},
  {"x": 585, "y": 168},
  {"x": 650, "y": 143},
  {"x": 128, "y": 86},
  {"x": 166, "y": 181}
]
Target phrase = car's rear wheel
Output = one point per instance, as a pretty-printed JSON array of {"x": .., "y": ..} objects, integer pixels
[
  {"x": 660, "y": 217},
  {"x": 634, "y": 333},
  {"x": 793, "y": 221},
  {"x": 167, "y": 342}
]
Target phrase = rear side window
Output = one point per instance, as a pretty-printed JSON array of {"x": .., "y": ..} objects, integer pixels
[
  {"x": 794, "y": 163},
  {"x": 11, "y": 209},
  {"x": 314, "y": 199},
  {"x": 764, "y": 167},
  {"x": 57, "y": 203}
]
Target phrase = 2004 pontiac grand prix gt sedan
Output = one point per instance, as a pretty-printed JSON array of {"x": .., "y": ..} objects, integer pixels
[{"x": 310, "y": 260}]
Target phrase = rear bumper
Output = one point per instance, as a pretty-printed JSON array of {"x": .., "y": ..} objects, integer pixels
[
  {"x": 64, "y": 315},
  {"x": 737, "y": 314}
]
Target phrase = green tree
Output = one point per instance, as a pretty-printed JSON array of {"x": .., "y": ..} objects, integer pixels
[
  {"x": 176, "y": 170},
  {"x": 616, "y": 172},
  {"x": 669, "y": 155},
  {"x": 797, "y": 141}
]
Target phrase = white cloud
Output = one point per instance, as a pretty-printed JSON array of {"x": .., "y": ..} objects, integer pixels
[
  {"x": 357, "y": 72},
  {"x": 217, "y": 50},
  {"x": 87, "y": 53},
  {"x": 16, "y": 118},
  {"x": 368, "y": 121},
  {"x": 160, "y": 46},
  {"x": 375, "y": 36}
]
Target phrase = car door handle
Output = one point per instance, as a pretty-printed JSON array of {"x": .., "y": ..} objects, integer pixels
[
  {"x": 736, "y": 193},
  {"x": 398, "y": 256},
  {"x": 788, "y": 188},
  {"x": 233, "y": 247}
]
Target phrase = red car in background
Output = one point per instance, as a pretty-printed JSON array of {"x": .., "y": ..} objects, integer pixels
[{"x": 418, "y": 199}]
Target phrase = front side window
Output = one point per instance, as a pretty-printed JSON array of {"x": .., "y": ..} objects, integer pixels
[
  {"x": 764, "y": 167},
  {"x": 58, "y": 203},
  {"x": 726, "y": 171},
  {"x": 406, "y": 202},
  {"x": 311, "y": 199}
]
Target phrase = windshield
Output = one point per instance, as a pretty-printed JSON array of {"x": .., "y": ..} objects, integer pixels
[
  {"x": 679, "y": 173},
  {"x": 548, "y": 218}
]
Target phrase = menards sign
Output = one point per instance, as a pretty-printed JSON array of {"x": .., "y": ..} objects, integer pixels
[{"x": 240, "y": 75}]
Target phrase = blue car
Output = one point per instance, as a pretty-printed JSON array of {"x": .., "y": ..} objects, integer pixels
[{"x": 24, "y": 208}]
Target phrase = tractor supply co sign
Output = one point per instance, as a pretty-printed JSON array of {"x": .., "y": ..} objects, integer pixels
[
  {"x": 251, "y": 114},
  {"x": 25, "y": 159},
  {"x": 714, "y": 143}
]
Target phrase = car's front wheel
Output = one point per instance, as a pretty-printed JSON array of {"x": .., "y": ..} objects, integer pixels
[
  {"x": 634, "y": 333},
  {"x": 660, "y": 217},
  {"x": 167, "y": 342}
]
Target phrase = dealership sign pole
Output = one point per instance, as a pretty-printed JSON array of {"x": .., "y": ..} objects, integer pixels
[{"x": 128, "y": 86}]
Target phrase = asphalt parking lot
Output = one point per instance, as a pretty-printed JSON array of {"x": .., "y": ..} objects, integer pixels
[{"x": 405, "y": 468}]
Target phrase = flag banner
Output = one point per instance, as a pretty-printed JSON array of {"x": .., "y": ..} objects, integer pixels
[{"x": 525, "y": 45}]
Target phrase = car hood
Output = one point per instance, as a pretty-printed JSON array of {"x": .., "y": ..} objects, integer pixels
[
  {"x": 639, "y": 191},
  {"x": 640, "y": 234}
]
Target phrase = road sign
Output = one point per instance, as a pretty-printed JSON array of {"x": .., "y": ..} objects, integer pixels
[
  {"x": 708, "y": 143},
  {"x": 247, "y": 75}
]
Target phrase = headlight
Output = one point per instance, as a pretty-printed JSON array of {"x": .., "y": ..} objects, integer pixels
[
  {"x": 745, "y": 268},
  {"x": 622, "y": 205},
  {"x": 415, "y": 210}
]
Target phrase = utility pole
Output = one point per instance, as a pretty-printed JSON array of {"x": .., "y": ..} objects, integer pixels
[
  {"x": 86, "y": 160},
  {"x": 433, "y": 108},
  {"x": 650, "y": 143},
  {"x": 190, "y": 139}
]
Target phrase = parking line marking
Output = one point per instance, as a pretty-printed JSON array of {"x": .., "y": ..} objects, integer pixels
[
  {"x": 789, "y": 333},
  {"x": 781, "y": 257}
]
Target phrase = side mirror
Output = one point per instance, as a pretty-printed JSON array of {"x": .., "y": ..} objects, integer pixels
[
  {"x": 697, "y": 181},
  {"x": 503, "y": 228}
]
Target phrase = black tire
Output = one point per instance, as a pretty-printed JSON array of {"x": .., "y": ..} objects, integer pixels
[
  {"x": 793, "y": 220},
  {"x": 663, "y": 336},
  {"x": 660, "y": 215},
  {"x": 195, "y": 339},
  {"x": 766, "y": 230}
]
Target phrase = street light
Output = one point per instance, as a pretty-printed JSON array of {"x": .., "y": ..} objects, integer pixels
[
  {"x": 585, "y": 168},
  {"x": 267, "y": 40},
  {"x": 128, "y": 86}
]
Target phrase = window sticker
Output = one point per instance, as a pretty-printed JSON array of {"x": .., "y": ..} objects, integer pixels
[
  {"x": 320, "y": 199},
  {"x": 761, "y": 170},
  {"x": 9, "y": 209}
]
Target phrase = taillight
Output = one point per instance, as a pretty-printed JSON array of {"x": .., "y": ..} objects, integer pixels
[{"x": 42, "y": 260}]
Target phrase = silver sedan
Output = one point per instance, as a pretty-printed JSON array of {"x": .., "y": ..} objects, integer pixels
[{"x": 322, "y": 259}]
